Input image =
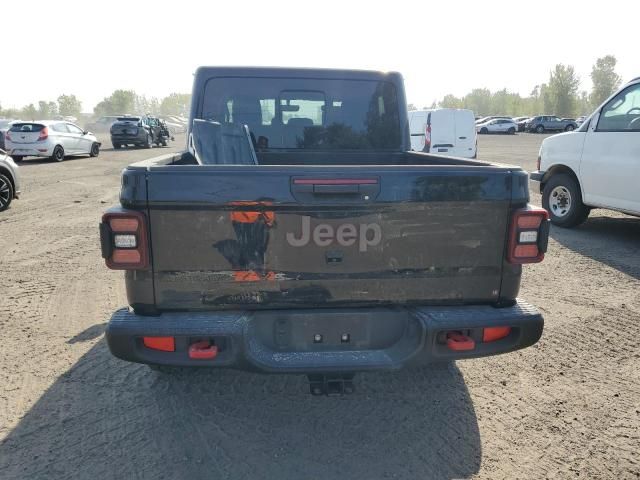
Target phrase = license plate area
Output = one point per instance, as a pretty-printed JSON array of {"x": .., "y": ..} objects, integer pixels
[{"x": 330, "y": 330}]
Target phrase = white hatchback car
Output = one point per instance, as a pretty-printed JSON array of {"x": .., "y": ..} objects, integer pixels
[
  {"x": 497, "y": 125},
  {"x": 49, "y": 138}
]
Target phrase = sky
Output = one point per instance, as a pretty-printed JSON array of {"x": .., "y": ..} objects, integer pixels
[{"x": 90, "y": 48}]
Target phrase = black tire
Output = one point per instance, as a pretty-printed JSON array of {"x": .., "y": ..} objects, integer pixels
[
  {"x": 58, "y": 154},
  {"x": 539, "y": 129},
  {"x": 6, "y": 192},
  {"x": 512, "y": 131},
  {"x": 149, "y": 142},
  {"x": 554, "y": 195},
  {"x": 569, "y": 128},
  {"x": 484, "y": 130},
  {"x": 17, "y": 158},
  {"x": 95, "y": 150},
  {"x": 116, "y": 146}
]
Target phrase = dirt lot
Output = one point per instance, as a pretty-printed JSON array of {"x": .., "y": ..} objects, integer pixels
[{"x": 568, "y": 407}]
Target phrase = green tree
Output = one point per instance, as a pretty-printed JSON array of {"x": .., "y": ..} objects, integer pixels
[
  {"x": 29, "y": 112},
  {"x": 118, "y": 103},
  {"x": 450, "y": 101},
  {"x": 69, "y": 105},
  {"x": 563, "y": 89},
  {"x": 479, "y": 100},
  {"x": 47, "y": 110},
  {"x": 176, "y": 104},
  {"x": 605, "y": 79}
]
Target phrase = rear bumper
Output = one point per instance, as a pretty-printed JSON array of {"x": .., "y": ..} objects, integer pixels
[
  {"x": 30, "y": 151},
  {"x": 282, "y": 341},
  {"x": 124, "y": 139},
  {"x": 536, "y": 176}
]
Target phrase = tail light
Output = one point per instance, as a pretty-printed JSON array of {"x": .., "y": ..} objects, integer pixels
[
  {"x": 427, "y": 138},
  {"x": 124, "y": 240},
  {"x": 44, "y": 134},
  {"x": 528, "y": 235}
]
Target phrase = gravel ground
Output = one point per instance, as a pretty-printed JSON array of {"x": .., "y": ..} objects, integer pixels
[{"x": 569, "y": 407}]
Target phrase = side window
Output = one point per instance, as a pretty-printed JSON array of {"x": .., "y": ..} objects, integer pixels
[
  {"x": 73, "y": 129},
  {"x": 622, "y": 113},
  {"x": 60, "y": 127}
]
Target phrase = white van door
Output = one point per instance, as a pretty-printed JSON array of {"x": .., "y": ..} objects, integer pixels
[
  {"x": 466, "y": 135},
  {"x": 417, "y": 126},
  {"x": 610, "y": 165},
  {"x": 443, "y": 131}
]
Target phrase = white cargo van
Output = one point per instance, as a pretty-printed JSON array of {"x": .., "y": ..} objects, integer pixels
[{"x": 449, "y": 131}]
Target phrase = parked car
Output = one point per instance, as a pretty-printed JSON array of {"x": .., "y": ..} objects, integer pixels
[
  {"x": 330, "y": 249},
  {"x": 580, "y": 120},
  {"x": 50, "y": 138},
  {"x": 142, "y": 131},
  {"x": 597, "y": 166},
  {"x": 521, "y": 122},
  {"x": 9, "y": 180},
  {"x": 497, "y": 125},
  {"x": 447, "y": 131},
  {"x": 5, "y": 124},
  {"x": 550, "y": 123},
  {"x": 492, "y": 117},
  {"x": 102, "y": 124},
  {"x": 174, "y": 126}
]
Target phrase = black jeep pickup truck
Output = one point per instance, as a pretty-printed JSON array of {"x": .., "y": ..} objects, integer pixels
[{"x": 325, "y": 247}]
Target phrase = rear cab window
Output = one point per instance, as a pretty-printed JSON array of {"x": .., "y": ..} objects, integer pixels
[{"x": 306, "y": 113}]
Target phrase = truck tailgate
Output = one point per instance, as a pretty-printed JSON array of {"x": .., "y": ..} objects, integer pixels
[{"x": 277, "y": 237}]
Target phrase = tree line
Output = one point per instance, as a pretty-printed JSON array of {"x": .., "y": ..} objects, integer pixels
[
  {"x": 560, "y": 95},
  {"x": 119, "y": 102}
]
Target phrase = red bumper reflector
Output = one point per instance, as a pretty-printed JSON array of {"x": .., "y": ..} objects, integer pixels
[
  {"x": 491, "y": 334},
  {"x": 458, "y": 342},
  {"x": 525, "y": 251},
  {"x": 126, "y": 256},
  {"x": 164, "y": 344},
  {"x": 203, "y": 351}
]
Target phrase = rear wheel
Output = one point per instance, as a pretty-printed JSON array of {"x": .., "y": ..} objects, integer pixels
[
  {"x": 17, "y": 158},
  {"x": 484, "y": 130},
  {"x": 58, "y": 154},
  {"x": 511, "y": 131},
  {"x": 95, "y": 150},
  {"x": 562, "y": 198},
  {"x": 6, "y": 192},
  {"x": 569, "y": 128},
  {"x": 539, "y": 129},
  {"x": 116, "y": 146}
]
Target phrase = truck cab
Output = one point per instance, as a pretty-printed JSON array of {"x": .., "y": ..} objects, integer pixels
[{"x": 596, "y": 166}]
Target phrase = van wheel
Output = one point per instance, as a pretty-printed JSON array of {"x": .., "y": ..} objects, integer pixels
[
  {"x": 484, "y": 130},
  {"x": 58, "y": 154},
  {"x": 6, "y": 192},
  {"x": 539, "y": 129},
  {"x": 512, "y": 131},
  {"x": 562, "y": 198}
]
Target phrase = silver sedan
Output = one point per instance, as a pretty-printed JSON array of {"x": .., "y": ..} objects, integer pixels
[{"x": 9, "y": 180}]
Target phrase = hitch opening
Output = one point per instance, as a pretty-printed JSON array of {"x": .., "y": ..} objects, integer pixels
[{"x": 331, "y": 385}]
